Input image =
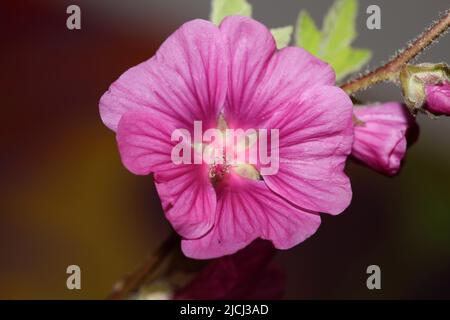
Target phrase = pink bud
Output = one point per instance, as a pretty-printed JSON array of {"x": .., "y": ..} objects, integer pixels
[
  {"x": 415, "y": 80},
  {"x": 381, "y": 135},
  {"x": 438, "y": 99}
]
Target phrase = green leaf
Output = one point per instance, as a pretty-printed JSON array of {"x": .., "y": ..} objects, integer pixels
[
  {"x": 222, "y": 8},
  {"x": 333, "y": 42},
  {"x": 339, "y": 26},
  {"x": 307, "y": 35},
  {"x": 282, "y": 35},
  {"x": 348, "y": 61}
]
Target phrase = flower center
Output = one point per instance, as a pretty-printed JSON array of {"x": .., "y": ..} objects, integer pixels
[
  {"x": 226, "y": 155},
  {"x": 218, "y": 171}
]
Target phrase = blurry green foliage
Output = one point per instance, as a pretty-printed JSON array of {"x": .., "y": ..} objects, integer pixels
[{"x": 333, "y": 42}]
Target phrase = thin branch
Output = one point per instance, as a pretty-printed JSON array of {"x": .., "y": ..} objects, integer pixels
[
  {"x": 134, "y": 280},
  {"x": 391, "y": 70}
]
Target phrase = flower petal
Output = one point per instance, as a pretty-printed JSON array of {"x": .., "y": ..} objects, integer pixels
[
  {"x": 250, "y": 47},
  {"x": 290, "y": 72},
  {"x": 186, "y": 80},
  {"x": 189, "y": 199},
  {"x": 144, "y": 141},
  {"x": 381, "y": 140},
  {"x": 145, "y": 146},
  {"x": 262, "y": 79},
  {"x": 246, "y": 210},
  {"x": 316, "y": 136}
]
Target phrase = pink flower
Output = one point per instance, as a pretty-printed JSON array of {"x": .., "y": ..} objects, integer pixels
[
  {"x": 205, "y": 73},
  {"x": 438, "y": 99},
  {"x": 248, "y": 274},
  {"x": 381, "y": 137}
]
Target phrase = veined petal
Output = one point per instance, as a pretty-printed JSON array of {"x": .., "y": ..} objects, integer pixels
[
  {"x": 186, "y": 80},
  {"x": 189, "y": 199},
  {"x": 316, "y": 134},
  {"x": 262, "y": 79},
  {"x": 145, "y": 146},
  {"x": 246, "y": 210},
  {"x": 290, "y": 72},
  {"x": 144, "y": 141},
  {"x": 382, "y": 138},
  {"x": 250, "y": 46}
]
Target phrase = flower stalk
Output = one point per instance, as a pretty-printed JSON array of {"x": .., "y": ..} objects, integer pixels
[
  {"x": 133, "y": 281},
  {"x": 391, "y": 70}
]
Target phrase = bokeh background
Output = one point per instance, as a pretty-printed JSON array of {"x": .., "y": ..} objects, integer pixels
[{"x": 66, "y": 199}]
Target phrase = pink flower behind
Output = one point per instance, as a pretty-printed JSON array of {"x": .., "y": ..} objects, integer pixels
[
  {"x": 234, "y": 72},
  {"x": 438, "y": 99},
  {"x": 381, "y": 137},
  {"x": 248, "y": 274}
]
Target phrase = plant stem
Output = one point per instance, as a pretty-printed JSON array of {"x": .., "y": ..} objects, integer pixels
[
  {"x": 134, "y": 280},
  {"x": 391, "y": 70}
]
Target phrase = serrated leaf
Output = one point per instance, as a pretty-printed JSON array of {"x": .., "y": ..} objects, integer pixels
[
  {"x": 339, "y": 26},
  {"x": 333, "y": 42},
  {"x": 348, "y": 61},
  {"x": 282, "y": 35},
  {"x": 222, "y": 8},
  {"x": 308, "y": 36}
]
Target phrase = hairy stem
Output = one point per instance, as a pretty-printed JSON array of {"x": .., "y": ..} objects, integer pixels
[
  {"x": 391, "y": 70},
  {"x": 134, "y": 280}
]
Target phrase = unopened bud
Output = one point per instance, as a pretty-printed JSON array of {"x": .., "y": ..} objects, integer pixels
[
  {"x": 438, "y": 99},
  {"x": 416, "y": 78}
]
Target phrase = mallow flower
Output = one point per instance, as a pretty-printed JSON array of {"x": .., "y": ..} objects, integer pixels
[
  {"x": 381, "y": 135},
  {"x": 233, "y": 77},
  {"x": 438, "y": 99}
]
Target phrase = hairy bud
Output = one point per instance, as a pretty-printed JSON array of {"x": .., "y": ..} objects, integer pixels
[{"x": 416, "y": 78}]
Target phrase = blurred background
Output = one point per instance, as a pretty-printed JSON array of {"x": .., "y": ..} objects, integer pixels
[{"x": 66, "y": 199}]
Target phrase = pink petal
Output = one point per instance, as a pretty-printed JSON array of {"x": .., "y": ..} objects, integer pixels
[
  {"x": 145, "y": 146},
  {"x": 144, "y": 141},
  {"x": 263, "y": 80},
  {"x": 438, "y": 98},
  {"x": 246, "y": 210},
  {"x": 316, "y": 134},
  {"x": 186, "y": 80},
  {"x": 250, "y": 47},
  {"x": 381, "y": 140},
  {"x": 189, "y": 199},
  {"x": 290, "y": 72}
]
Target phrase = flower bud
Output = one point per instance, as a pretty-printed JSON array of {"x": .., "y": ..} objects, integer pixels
[
  {"x": 417, "y": 80},
  {"x": 438, "y": 99},
  {"x": 159, "y": 289},
  {"x": 381, "y": 133}
]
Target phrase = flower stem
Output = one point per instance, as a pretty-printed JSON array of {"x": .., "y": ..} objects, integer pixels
[
  {"x": 391, "y": 70},
  {"x": 134, "y": 280}
]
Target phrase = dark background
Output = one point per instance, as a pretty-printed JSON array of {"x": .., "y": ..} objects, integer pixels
[{"x": 66, "y": 199}]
